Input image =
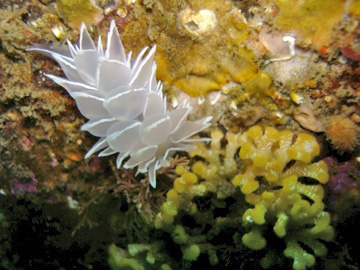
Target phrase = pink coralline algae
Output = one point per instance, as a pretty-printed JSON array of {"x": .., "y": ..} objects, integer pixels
[
  {"x": 342, "y": 180},
  {"x": 26, "y": 144},
  {"x": 24, "y": 186}
]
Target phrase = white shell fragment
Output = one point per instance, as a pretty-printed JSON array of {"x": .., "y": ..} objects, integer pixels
[{"x": 124, "y": 103}]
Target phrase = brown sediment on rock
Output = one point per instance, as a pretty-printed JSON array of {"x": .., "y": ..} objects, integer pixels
[{"x": 305, "y": 116}]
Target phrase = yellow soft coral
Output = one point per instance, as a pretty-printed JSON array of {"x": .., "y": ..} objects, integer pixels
[
  {"x": 254, "y": 240},
  {"x": 209, "y": 176},
  {"x": 291, "y": 196},
  {"x": 276, "y": 178},
  {"x": 186, "y": 187},
  {"x": 270, "y": 150},
  {"x": 219, "y": 163}
]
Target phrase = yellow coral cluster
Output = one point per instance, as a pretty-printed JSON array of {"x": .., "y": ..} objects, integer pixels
[
  {"x": 209, "y": 176},
  {"x": 290, "y": 198},
  {"x": 279, "y": 181},
  {"x": 268, "y": 152},
  {"x": 180, "y": 197}
]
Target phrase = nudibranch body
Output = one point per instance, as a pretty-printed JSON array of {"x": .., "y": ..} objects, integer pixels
[{"x": 124, "y": 103}]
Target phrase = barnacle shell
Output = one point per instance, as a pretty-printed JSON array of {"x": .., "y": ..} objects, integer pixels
[{"x": 124, "y": 103}]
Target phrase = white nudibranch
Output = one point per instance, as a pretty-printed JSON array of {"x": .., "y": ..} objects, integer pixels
[{"x": 124, "y": 103}]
